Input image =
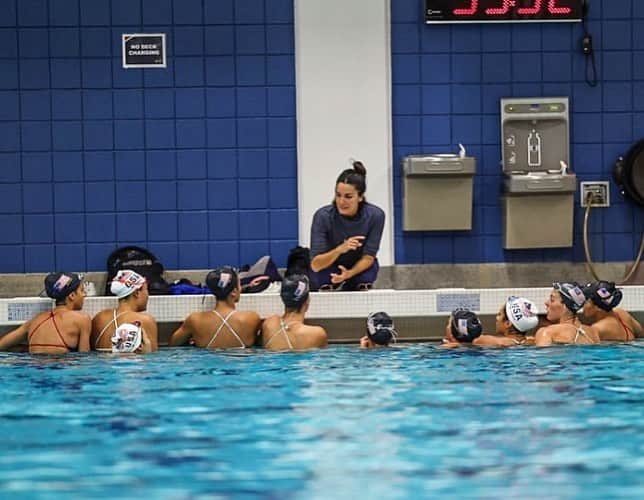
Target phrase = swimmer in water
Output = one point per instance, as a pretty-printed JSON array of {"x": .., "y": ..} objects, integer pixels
[
  {"x": 131, "y": 289},
  {"x": 223, "y": 327},
  {"x": 380, "y": 331},
  {"x": 563, "y": 304},
  {"x": 61, "y": 330},
  {"x": 600, "y": 310},
  {"x": 288, "y": 332}
]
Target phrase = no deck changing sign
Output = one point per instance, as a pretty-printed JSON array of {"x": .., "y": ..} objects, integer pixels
[{"x": 144, "y": 50}]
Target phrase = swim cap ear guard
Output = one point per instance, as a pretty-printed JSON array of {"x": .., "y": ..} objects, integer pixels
[
  {"x": 380, "y": 328},
  {"x": 465, "y": 325},
  {"x": 603, "y": 294},
  {"x": 571, "y": 295},
  {"x": 127, "y": 338},
  {"x": 522, "y": 313}
]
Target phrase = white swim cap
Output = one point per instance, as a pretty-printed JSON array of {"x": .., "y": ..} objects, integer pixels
[
  {"x": 127, "y": 338},
  {"x": 522, "y": 313},
  {"x": 126, "y": 282}
]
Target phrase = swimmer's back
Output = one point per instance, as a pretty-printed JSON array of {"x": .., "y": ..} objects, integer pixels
[
  {"x": 104, "y": 322},
  {"x": 204, "y": 326},
  {"x": 58, "y": 332},
  {"x": 567, "y": 333},
  {"x": 282, "y": 335}
]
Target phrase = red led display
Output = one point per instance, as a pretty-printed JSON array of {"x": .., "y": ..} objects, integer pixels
[{"x": 502, "y": 10}]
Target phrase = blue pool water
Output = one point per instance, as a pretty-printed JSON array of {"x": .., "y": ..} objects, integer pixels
[{"x": 409, "y": 422}]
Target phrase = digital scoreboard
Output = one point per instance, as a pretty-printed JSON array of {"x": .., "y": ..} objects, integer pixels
[{"x": 478, "y": 11}]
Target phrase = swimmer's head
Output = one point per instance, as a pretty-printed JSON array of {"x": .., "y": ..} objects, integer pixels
[
  {"x": 126, "y": 282},
  {"x": 60, "y": 285},
  {"x": 127, "y": 338},
  {"x": 380, "y": 328},
  {"x": 295, "y": 291},
  {"x": 222, "y": 282},
  {"x": 571, "y": 295},
  {"x": 522, "y": 313},
  {"x": 603, "y": 294},
  {"x": 465, "y": 326}
]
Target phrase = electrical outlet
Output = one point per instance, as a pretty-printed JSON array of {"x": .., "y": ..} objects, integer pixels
[{"x": 595, "y": 194}]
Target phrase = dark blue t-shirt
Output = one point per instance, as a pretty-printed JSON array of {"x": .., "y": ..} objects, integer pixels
[{"x": 329, "y": 229}]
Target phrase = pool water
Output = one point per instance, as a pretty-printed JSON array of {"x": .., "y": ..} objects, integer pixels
[{"x": 407, "y": 422}]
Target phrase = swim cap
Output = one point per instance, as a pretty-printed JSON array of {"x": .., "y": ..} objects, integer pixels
[
  {"x": 126, "y": 282},
  {"x": 60, "y": 285},
  {"x": 465, "y": 325},
  {"x": 522, "y": 313},
  {"x": 380, "y": 328},
  {"x": 295, "y": 290},
  {"x": 127, "y": 338},
  {"x": 603, "y": 294},
  {"x": 571, "y": 295},
  {"x": 222, "y": 281}
]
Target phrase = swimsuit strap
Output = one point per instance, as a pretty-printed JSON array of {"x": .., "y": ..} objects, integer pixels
[
  {"x": 629, "y": 332},
  {"x": 581, "y": 331},
  {"x": 224, "y": 322},
  {"x": 39, "y": 325},
  {"x": 116, "y": 325},
  {"x": 282, "y": 329},
  {"x": 60, "y": 335}
]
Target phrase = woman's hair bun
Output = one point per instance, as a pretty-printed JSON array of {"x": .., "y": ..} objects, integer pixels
[{"x": 359, "y": 167}]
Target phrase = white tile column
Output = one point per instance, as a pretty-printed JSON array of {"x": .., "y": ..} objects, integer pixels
[{"x": 343, "y": 82}]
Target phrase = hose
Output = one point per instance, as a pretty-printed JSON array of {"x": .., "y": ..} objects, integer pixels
[{"x": 589, "y": 261}]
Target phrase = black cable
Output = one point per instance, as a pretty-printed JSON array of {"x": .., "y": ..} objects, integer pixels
[{"x": 587, "y": 49}]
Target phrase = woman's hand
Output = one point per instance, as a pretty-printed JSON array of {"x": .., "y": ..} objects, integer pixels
[
  {"x": 351, "y": 243},
  {"x": 343, "y": 275}
]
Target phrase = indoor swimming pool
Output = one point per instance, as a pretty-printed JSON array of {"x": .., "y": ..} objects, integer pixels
[{"x": 407, "y": 422}]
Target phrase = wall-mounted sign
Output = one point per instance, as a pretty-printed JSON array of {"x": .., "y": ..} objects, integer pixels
[
  {"x": 144, "y": 50},
  {"x": 476, "y": 11}
]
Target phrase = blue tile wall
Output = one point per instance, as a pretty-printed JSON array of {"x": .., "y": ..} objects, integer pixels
[
  {"x": 93, "y": 156},
  {"x": 204, "y": 151},
  {"x": 447, "y": 81}
]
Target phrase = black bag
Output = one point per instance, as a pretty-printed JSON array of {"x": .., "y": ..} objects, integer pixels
[
  {"x": 299, "y": 262},
  {"x": 139, "y": 260}
]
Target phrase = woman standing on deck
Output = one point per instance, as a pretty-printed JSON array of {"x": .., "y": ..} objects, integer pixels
[{"x": 345, "y": 236}]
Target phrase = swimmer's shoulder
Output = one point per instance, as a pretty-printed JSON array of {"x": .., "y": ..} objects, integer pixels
[
  {"x": 270, "y": 323},
  {"x": 315, "y": 335},
  {"x": 248, "y": 317}
]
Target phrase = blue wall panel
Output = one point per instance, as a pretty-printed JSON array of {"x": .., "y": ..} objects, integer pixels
[
  {"x": 447, "y": 82},
  {"x": 93, "y": 156}
]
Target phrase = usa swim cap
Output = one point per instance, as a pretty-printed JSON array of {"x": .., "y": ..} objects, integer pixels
[
  {"x": 126, "y": 282},
  {"x": 222, "y": 281},
  {"x": 465, "y": 325},
  {"x": 522, "y": 313},
  {"x": 604, "y": 294},
  {"x": 380, "y": 328},
  {"x": 127, "y": 338},
  {"x": 571, "y": 295},
  {"x": 60, "y": 285},
  {"x": 295, "y": 290}
]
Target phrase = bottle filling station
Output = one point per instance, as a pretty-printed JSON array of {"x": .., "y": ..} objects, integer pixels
[{"x": 538, "y": 201}]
